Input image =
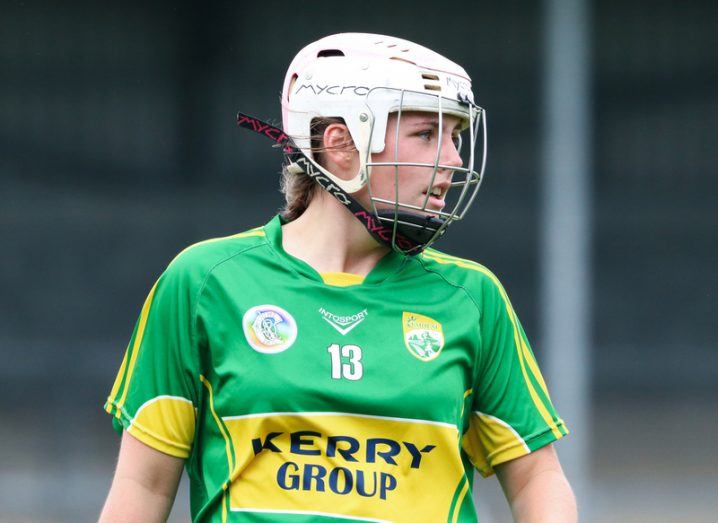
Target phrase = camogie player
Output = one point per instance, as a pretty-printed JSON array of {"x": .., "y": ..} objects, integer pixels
[{"x": 330, "y": 366}]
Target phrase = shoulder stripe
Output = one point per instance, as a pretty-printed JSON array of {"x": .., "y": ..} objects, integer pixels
[
  {"x": 257, "y": 231},
  {"x": 459, "y": 262},
  {"x": 118, "y": 382},
  {"x": 525, "y": 357},
  {"x": 120, "y": 386},
  {"x": 132, "y": 354}
]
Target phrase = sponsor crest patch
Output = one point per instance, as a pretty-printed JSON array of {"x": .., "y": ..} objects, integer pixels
[
  {"x": 423, "y": 336},
  {"x": 269, "y": 329}
]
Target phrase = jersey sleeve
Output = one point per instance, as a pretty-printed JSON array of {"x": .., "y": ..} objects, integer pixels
[
  {"x": 155, "y": 394},
  {"x": 512, "y": 414}
]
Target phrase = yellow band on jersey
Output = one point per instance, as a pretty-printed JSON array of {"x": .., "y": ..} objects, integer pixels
[
  {"x": 166, "y": 423},
  {"x": 344, "y": 465},
  {"x": 491, "y": 441}
]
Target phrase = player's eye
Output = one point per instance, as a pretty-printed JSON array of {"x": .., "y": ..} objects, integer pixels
[
  {"x": 426, "y": 134},
  {"x": 456, "y": 138}
]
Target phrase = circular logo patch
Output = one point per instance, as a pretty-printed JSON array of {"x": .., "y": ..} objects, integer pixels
[{"x": 269, "y": 329}]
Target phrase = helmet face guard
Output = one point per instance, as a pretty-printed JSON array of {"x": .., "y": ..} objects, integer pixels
[{"x": 418, "y": 222}]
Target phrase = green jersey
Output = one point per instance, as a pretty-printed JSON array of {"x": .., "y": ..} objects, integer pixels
[{"x": 296, "y": 396}]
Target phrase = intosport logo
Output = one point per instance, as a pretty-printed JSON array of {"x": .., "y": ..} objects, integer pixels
[
  {"x": 343, "y": 324},
  {"x": 269, "y": 329}
]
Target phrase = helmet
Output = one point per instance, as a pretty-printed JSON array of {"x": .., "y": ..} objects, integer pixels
[{"x": 362, "y": 78}]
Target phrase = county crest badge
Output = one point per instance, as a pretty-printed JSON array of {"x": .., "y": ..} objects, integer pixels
[
  {"x": 423, "y": 336},
  {"x": 269, "y": 329}
]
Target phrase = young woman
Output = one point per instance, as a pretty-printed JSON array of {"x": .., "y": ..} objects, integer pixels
[{"x": 330, "y": 365}]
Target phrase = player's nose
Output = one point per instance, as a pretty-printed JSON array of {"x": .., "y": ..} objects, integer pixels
[{"x": 450, "y": 153}]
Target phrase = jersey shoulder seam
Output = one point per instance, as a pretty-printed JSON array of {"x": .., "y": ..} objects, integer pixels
[
  {"x": 438, "y": 257},
  {"x": 449, "y": 282},
  {"x": 217, "y": 264},
  {"x": 477, "y": 363}
]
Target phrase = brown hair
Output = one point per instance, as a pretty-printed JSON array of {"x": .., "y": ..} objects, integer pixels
[{"x": 299, "y": 189}]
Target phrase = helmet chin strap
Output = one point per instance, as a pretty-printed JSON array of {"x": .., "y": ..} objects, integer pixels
[{"x": 413, "y": 231}]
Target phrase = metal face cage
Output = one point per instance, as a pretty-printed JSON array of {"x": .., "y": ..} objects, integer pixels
[{"x": 420, "y": 221}]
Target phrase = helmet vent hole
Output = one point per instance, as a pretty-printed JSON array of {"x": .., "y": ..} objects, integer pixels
[
  {"x": 432, "y": 87},
  {"x": 329, "y": 52},
  {"x": 402, "y": 60},
  {"x": 291, "y": 85},
  {"x": 427, "y": 76}
]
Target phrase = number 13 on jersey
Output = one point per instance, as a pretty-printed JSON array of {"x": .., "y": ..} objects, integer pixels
[{"x": 346, "y": 362}]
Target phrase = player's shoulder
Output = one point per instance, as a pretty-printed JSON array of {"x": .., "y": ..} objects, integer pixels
[
  {"x": 200, "y": 258},
  {"x": 469, "y": 274}
]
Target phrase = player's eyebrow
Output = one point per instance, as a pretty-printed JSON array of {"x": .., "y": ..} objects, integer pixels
[{"x": 433, "y": 122}]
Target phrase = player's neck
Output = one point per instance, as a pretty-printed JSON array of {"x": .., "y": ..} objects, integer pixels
[{"x": 330, "y": 239}]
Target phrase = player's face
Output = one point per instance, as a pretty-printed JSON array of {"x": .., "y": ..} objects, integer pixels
[{"x": 418, "y": 142}]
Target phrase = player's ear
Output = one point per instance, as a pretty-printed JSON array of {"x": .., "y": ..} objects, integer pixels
[{"x": 339, "y": 151}]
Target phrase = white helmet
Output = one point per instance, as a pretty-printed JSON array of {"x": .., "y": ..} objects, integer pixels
[{"x": 362, "y": 78}]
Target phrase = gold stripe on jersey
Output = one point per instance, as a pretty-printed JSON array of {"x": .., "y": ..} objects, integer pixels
[
  {"x": 468, "y": 264},
  {"x": 124, "y": 375},
  {"x": 341, "y": 279},
  {"x": 348, "y": 466},
  {"x": 257, "y": 231},
  {"x": 135, "y": 351},
  {"x": 166, "y": 423},
  {"x": 521, "y": 348},
  {"x": 227, "y": 446},
  {"x": 460, "y": 500},
  {"x": 118, "y": 382}
]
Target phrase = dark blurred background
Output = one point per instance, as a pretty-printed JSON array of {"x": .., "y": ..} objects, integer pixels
[{"x": 118, "y": 148}]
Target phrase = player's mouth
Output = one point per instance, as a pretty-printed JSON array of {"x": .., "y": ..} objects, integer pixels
[{"x": 437, "y": 193}]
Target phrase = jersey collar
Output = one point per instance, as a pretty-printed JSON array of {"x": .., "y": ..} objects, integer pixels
[{"x": 390, "y": 264}]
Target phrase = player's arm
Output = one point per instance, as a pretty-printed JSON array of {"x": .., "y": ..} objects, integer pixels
[
  {"x": 144, "y": 486},
  {"x": 536, "y": 488}
]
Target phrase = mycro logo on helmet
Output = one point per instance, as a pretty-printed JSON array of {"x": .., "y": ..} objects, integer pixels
[
  {"x": 336, "y": 90},
  {"x": 463, "y": 88},
  {"x": 269, "y": 329}
]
